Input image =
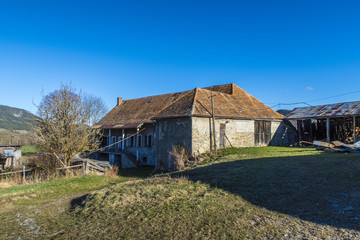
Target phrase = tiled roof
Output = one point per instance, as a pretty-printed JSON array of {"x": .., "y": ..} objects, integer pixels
[{"x": 230, "y": 101}]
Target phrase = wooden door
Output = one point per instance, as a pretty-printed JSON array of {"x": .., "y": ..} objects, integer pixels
[
  {"x": 262, "y": 132},
  {"x": 222, "y": 135}
]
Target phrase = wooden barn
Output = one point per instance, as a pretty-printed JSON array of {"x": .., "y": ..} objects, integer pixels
[{"x": 331, "y": 122}]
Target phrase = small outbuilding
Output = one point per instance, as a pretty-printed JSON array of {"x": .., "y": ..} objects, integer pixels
[
  {"x": 10, "y": 156},
  {"x": 331, "y": 122}
]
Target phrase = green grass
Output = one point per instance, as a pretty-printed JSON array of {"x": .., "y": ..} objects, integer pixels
[
  {"x": 229, "y": 154},
  {"x": 247, "y": 193},
  {"x": 29, "y": 149},
  {"x": 54, "y": 189}
]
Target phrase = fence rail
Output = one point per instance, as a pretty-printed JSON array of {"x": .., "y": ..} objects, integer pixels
[
  {"x": 74, "y": 166},
  {"x": 88, "y": 165},
  {"x": 20, "y": 171}
]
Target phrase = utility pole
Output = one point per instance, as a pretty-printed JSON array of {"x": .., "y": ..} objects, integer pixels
[{"x": 213, "y": 119}]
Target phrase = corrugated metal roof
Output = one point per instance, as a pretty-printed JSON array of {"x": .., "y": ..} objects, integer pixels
[
  {"x": 9, "y": 153},
  {"x": 329, "y": 110}
]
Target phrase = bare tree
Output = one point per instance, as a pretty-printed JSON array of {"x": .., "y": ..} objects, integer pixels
[
  {"x": 95, "y": 108},
  {"x": 62, "y": 127}
]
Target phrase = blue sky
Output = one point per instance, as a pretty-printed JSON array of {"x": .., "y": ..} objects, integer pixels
[{"x": 278, "y": 51}]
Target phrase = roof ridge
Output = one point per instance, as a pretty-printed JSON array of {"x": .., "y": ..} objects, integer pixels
[
  {"x": 208, "y": 90},
  {"x": 194, "y": 100},
  {"x": 156, "y": 95},
  {"x": 171, "y": 103}
]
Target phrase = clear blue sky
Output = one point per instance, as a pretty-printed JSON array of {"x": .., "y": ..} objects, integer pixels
[{"x": 278, "y": 51}]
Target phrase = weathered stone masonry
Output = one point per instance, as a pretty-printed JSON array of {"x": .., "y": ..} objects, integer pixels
[{"x": 186, "y": 118}]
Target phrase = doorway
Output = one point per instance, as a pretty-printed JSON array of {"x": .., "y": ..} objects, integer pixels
[
  {"x": 222, "y": 135},
  {"x": 117, "y": 160},
  {"x": 262, "y": 132}
]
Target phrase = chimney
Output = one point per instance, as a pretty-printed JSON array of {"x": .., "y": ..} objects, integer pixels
[{"x": 119, "y": 100}]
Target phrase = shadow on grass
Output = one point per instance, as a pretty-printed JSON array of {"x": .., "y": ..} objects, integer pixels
[
  {"x": 321, "y": 188},
  {"x": 140, "y": 172},
  {"x": 78, "y": 202}
]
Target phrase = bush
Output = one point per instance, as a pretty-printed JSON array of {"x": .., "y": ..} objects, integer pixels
[
  {"x": 180, "y": 157},
  {"x": 46, "y": 162},
  {"x": 113, "y": 172}
]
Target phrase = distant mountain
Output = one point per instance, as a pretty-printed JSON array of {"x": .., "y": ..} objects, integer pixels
[
  {"x": 284, "y": 112},
  {"x": 15, "y": 118}
]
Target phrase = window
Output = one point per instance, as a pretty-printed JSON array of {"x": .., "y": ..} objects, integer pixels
[
  {"x": 113, "y": 140},
  {"x": 132, "y": 141},
  {"x": 104, "y": 141},
  {"x": 149, "y": 141},
  {"x": 144, "y": 160},
  {"x": 145, "y": 140},
  {"x": 139, "y": 140}
]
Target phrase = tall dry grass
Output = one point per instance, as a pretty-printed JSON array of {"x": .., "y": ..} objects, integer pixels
[
  {"x": 180, "y": 157},
  {"x": 37, "y": 176},
  {"x": 113, "y": 172}
]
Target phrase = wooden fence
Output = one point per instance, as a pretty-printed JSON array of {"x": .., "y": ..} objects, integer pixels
[{"x": 87, "y": 165}]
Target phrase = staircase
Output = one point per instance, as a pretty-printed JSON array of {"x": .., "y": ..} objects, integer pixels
[{"x": 130, "y": 155}]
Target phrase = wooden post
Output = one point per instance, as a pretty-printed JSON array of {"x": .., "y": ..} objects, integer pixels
[
  {"x": 328, "y": 129},
  {"x": 354, "y": 128},
  {"x": 228, "y": 140},
  {"x": 123, "y": 142},
  {"x": 109, "y": 143},
  {"x": 213, "y": 119},
  {"x": 311, "y": 131},
  {"x": 299, "y": 129},
  {"x": 86, "y": 167},
  {"x": 24, "y": 173},
  {"x": 137, "y": 144}
]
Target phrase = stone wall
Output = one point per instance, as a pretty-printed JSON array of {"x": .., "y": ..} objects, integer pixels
[
  {"x": 171, "y": 132},
  {"x": 195, "y": 134},
  {"x": 240, "y": 133},
  {"x": 283, "y": 134}
]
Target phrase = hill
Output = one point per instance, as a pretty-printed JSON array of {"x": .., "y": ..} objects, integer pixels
[
  {"x": 284, "y": 111},
  {"x": 15, "y": 118}
]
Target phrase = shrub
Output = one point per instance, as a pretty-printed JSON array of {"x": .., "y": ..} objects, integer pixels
[
  {"x": 46, "y": 162},
  {"x": 113, "y": 172},
  {"x": 180, "y": 157}
]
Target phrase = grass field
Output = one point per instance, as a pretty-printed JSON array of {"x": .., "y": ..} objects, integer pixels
[
  {"x": 29, "y": 149},
  {"x": 248, "y": 193}
]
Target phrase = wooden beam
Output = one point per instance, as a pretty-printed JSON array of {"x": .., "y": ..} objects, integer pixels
[
  {"x": 299, "y": 129},
  {"x": 137, "y": 144},
  {"x": 213, "y": 119},
  {"x": 123, "y": 137},
  {"x": 109, "y": 143},
  {"x": 354, "y": 128},
  {"x": 328, "y": 129}
]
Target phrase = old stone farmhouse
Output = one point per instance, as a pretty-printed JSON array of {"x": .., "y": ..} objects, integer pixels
[{"x": 152, "y": 125}]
